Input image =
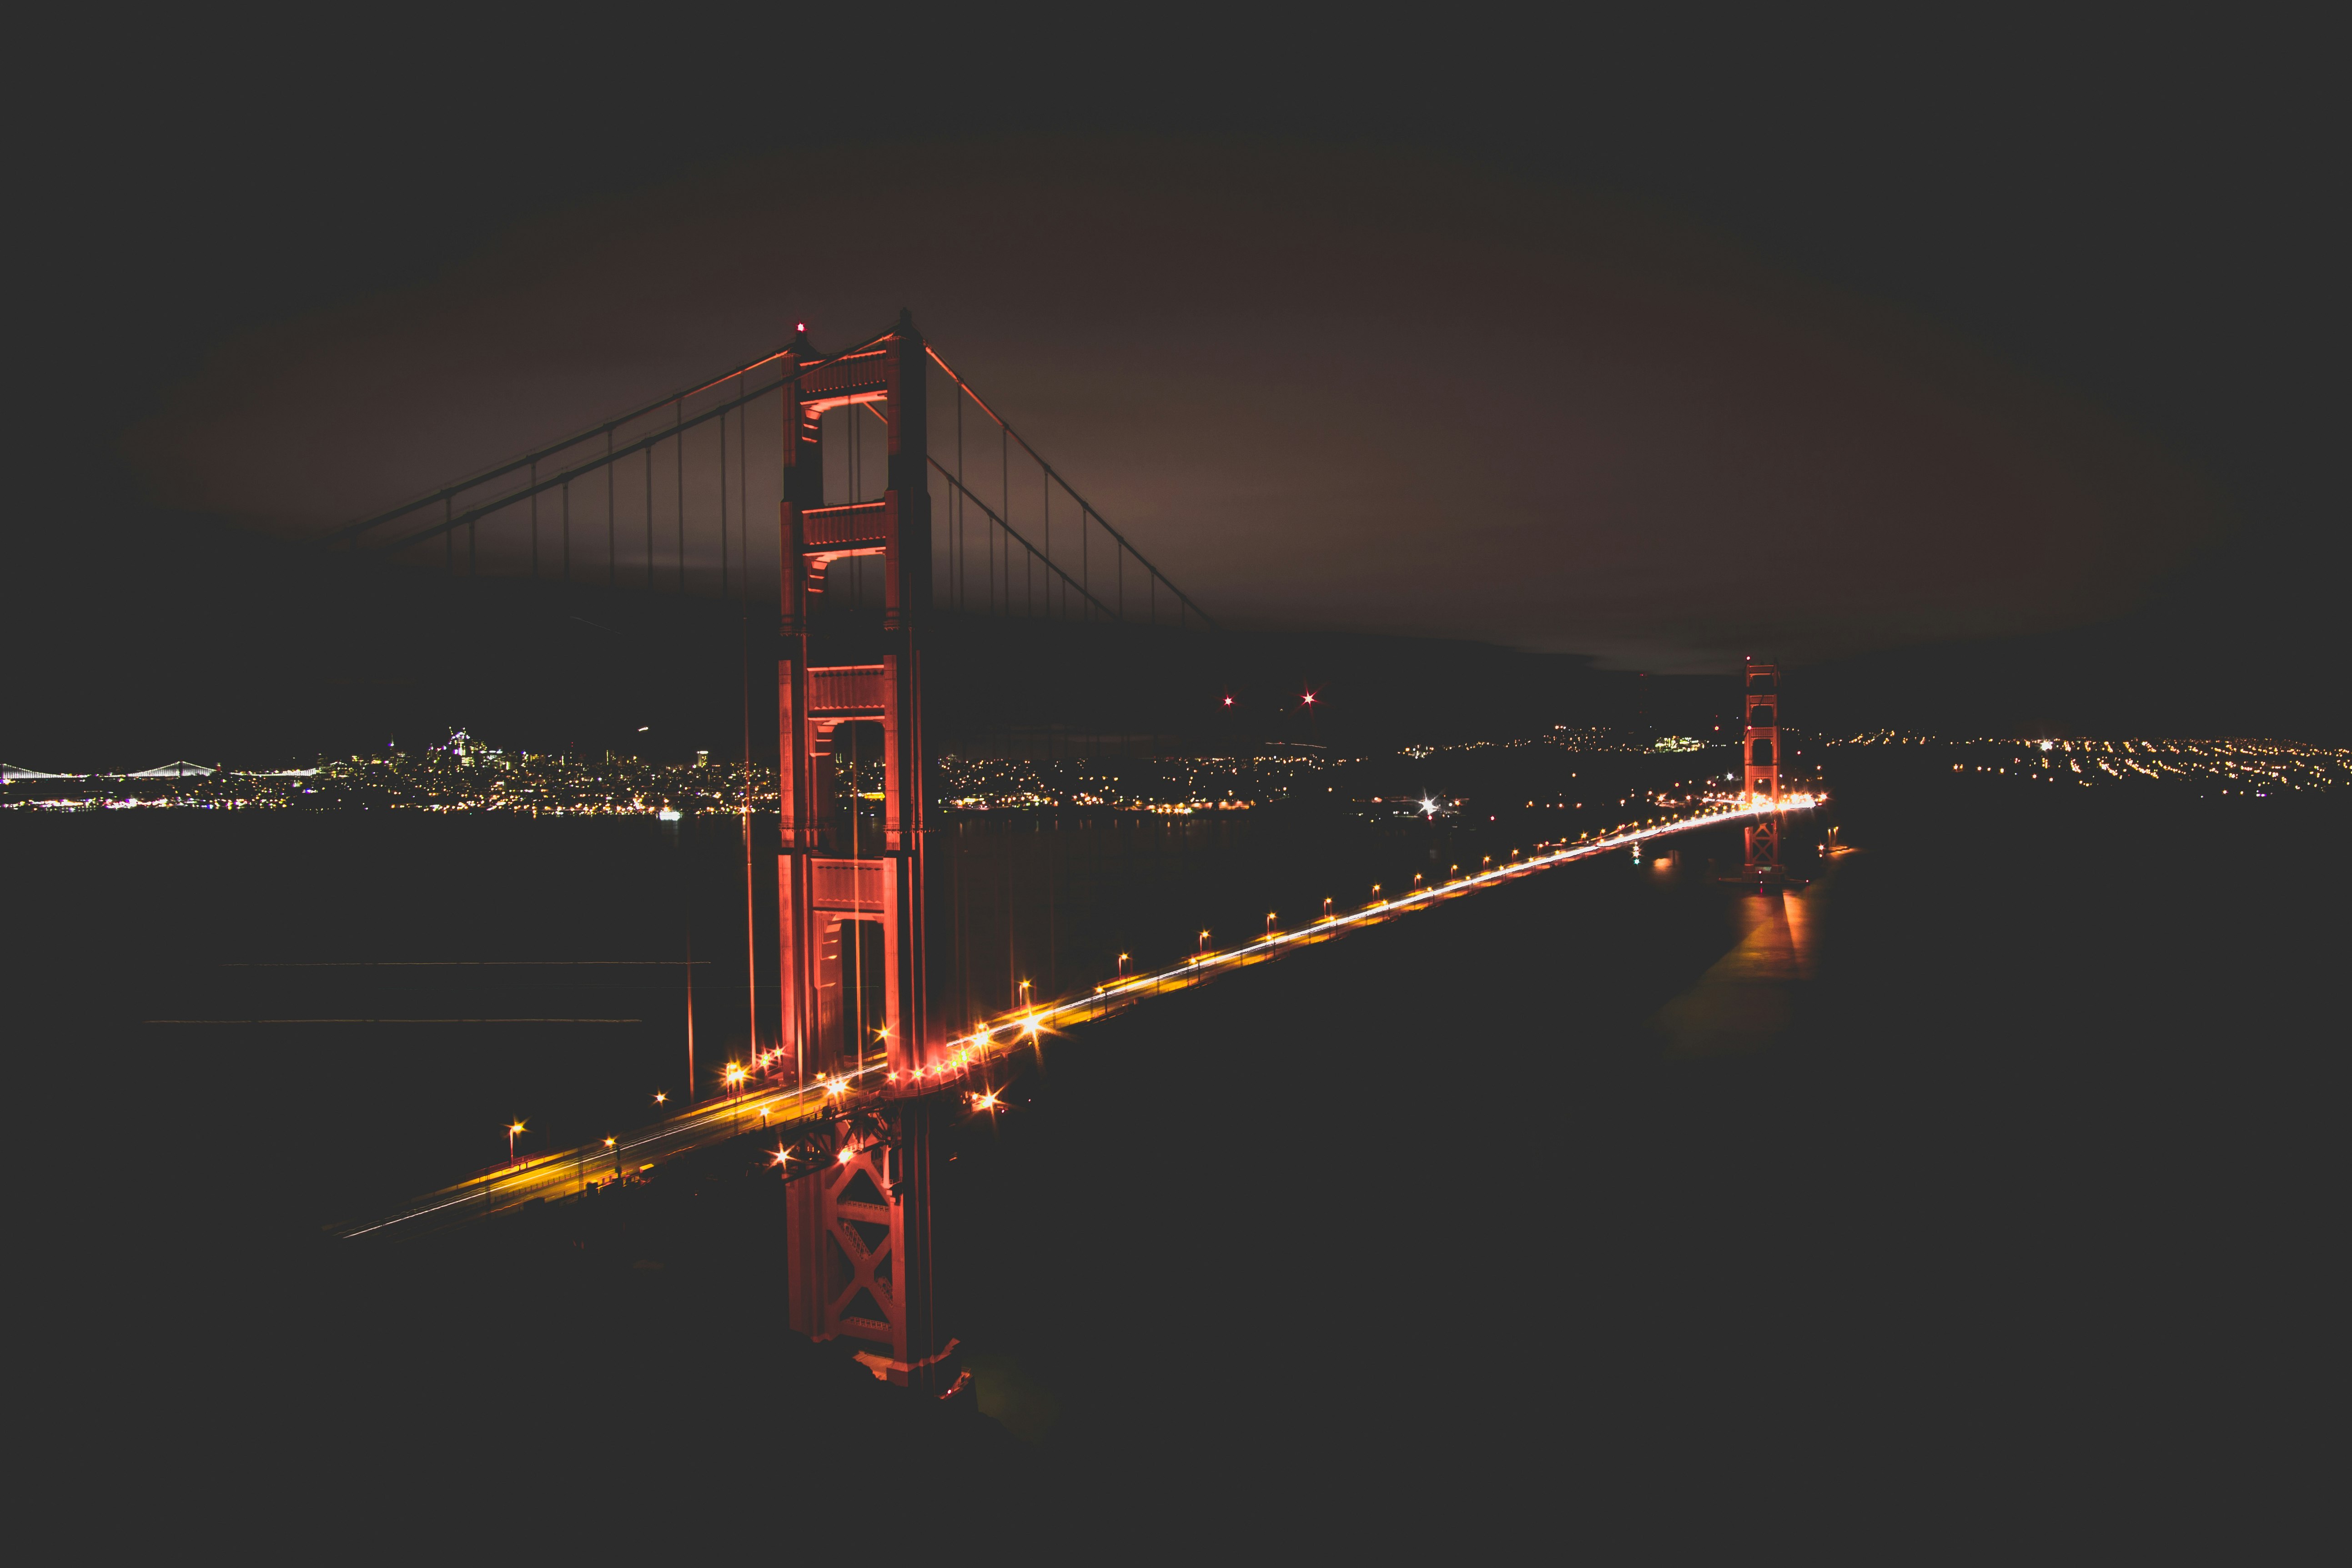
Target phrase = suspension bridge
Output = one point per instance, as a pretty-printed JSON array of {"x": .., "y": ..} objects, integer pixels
[{"x": 896, "y": 490}]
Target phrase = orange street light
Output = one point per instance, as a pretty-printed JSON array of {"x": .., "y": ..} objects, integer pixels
[
  {"x": 660, "y": 1099},
  {"x": 512, "y": 1131},
  {"x": 1204, "y": 943},
  {"x": 1269, "y": 922}
]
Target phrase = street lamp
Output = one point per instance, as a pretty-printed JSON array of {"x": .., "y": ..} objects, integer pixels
[
  {"x": 512, "y": 1129},
  {"x": 1269, "y": 924},
  {"x": 1122, "y": 967},
  {"x": 1202, "y": 949},
  {"x": 735, "y": 1085},
  {"x": 612, "y": 1152}
]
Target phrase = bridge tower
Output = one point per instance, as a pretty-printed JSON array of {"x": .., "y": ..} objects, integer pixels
[
  {"x": 854, "y": 981},
  {"x": 1761, "y": 756}
]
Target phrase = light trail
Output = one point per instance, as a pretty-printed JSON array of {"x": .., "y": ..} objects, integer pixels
[{"x": 551, "y": 1173}]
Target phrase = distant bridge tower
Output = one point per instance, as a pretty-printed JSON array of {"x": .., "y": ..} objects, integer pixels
[
  {"x": 854, "y": 979},
  {"x": 1760, "y": 756}
]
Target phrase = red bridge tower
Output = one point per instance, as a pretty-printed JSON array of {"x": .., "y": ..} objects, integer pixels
[
  {"x": 1760, "y": 755},
  {"x": 854, "y": 982}
]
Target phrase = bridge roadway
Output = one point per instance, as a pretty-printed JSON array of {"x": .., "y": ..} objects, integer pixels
[{"x": 566, "y": 1173}]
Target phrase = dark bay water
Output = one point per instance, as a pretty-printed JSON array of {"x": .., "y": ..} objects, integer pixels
[{"x": 2014, "y": 1179}]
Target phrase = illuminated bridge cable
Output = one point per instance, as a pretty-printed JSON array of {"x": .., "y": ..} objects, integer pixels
[
  {"x": 1183, "y": 600},
  {"x": 558, "y": 465},
  {"x": 604, "y": 428},
  {"x": 1013, "y": 535},
  {"x": 645, "y": 444}
]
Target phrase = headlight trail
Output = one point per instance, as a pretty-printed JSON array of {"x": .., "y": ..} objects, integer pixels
[{"x": 1010, "y": 1032}]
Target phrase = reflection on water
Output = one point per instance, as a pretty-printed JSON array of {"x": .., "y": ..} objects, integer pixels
[{"x": 1747, "y": 998}]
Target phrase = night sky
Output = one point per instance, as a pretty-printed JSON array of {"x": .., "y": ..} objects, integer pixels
[{"x": 1662, "y": 347}]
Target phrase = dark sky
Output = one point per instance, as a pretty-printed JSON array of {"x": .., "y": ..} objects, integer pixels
[{"x": 1664, "y": 345}]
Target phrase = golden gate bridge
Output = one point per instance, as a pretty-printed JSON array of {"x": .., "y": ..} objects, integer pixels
[{"x": 871, "y": 1041}]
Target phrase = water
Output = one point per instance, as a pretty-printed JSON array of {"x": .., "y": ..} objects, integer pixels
[
  {"x": 1995, "y": 1155},
  {"x": 360, "y": 1003}
]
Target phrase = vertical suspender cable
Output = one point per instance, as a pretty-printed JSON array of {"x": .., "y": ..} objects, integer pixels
[
  {"x": 567, "y": 531},
  {"x": 1005, "y": 504},
  {"x": 681, "y": 495},
  {"x": 743, "y": 625},
  {"x": 722, "y": 509},
  {"x": 534, "y": 522},
  {"x": 611, "y": 527},
  {"x": 649, "y": 518}
]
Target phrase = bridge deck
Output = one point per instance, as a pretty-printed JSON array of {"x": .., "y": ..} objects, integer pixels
[{"x": 567, "y": 1173}]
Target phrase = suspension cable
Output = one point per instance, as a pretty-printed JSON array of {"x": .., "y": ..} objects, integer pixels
[{"x": 1014, "y": 434}]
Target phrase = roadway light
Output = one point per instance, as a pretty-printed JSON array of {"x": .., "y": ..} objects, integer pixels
[
  {"x": 660, "y": 1099},
  {"x": 1269, "y": 922},
  {"x": 1122, "y": 967},
  {"x": 512, "y": 1131},
  {"x": 1204, "y": 943}
]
